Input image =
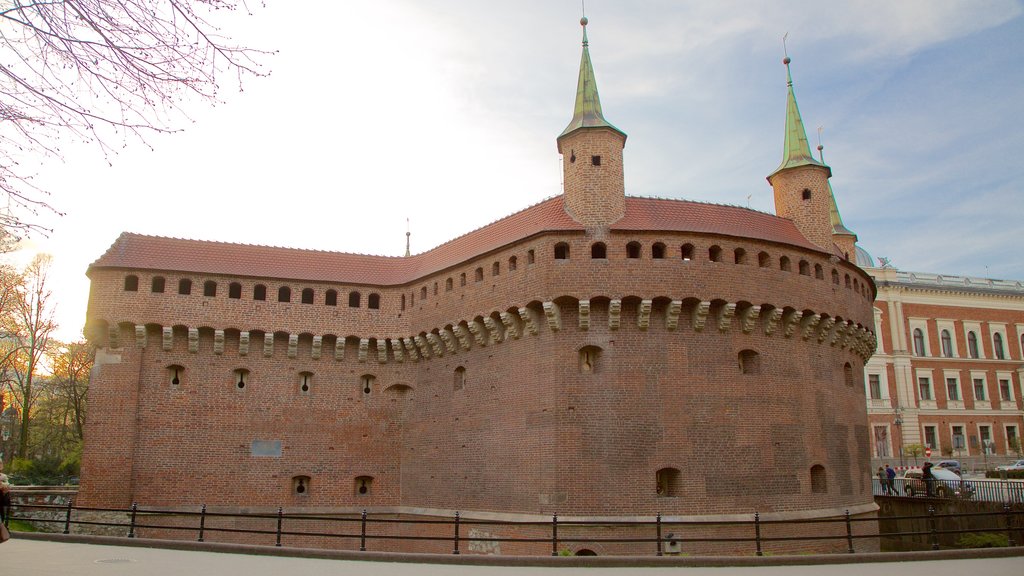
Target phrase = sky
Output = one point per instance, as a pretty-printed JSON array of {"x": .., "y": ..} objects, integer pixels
[{"x": 445, "y": 113}]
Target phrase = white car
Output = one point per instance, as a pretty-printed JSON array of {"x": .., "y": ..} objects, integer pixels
[{"x": 1018, "y": 465}]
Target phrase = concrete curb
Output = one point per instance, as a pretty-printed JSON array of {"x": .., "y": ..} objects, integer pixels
[{"x": 580, "y": 561}]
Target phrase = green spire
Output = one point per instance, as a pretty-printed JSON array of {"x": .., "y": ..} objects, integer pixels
[
  {"x": 587, "y": 113},
  {"x": 833, "y": 208},
  {"x": 796, "y": 151}
]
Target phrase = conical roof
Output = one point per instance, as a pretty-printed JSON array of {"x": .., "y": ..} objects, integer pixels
[
  {"x": 587, "y": 112},
  {"x": 796, "y": 151}
]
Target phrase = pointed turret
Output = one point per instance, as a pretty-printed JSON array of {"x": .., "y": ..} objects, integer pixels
[
  {"x": 842, "y": 236},
  {"x": 591, "y": 149},
  {"x": 802, "y": 192}
]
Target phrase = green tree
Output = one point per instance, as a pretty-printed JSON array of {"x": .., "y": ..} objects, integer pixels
[{"x": 913, "y": 450}]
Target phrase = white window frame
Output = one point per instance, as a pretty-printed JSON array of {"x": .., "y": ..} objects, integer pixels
[
  {"x": 888, "y": 440},
  {"x": 949, "y": 326},
  {"x": 925, "y": 404},
  {"x": 922, "y": 324},
  {"x": 1008, "y": 376},
  {"x": 957, "y": 404},
  {"x": 976, "y": 328},
  {"x": 967, "y": 439},
  {"x": 991, "y": 434},
  {"x": 937, "y": 449},
  {"x": 1018, "y": 343},
  {"x": 883, "y": 384},
  {"x": 998, "y": 328},
  {"x": 986, "y": 403},
  {"x": 1006, "y": 437}
]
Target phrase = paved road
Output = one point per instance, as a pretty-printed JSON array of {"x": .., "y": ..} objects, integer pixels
[{"x": 45, "y": 558}]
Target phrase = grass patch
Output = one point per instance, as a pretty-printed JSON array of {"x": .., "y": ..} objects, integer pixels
[{"x": 21, "y": 526}]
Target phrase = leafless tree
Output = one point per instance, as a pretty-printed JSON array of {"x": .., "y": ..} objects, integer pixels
[{"x": 103, "y": 72}]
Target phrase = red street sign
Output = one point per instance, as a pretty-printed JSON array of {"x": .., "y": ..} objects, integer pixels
[{"x": 928, "y": 452}]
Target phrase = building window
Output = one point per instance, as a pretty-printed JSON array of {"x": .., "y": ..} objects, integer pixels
[
  {"x": 496, "y": 269},
  {"x": 668, "y": 483},
  {"x": 819, "y": 272},
  {"x": 435, "y": 288},
  {"x": 805, "y": 268},
  {"x": 589, "y": 358},
  {"x": 972, "y": 344},
  {"x": 846, "y": 280},
  {"x": 423, "y": 293},
  {"x": 749, "y": 362},
  {"x": 947, "y": 344},
  {"x": 259, "y": 292},
  {"x": 979, "y": 388},
  {"x": 459, "y": 379},
  {"x": 241, "y": 378},
  {"x": 373, "y": 301},
  {"x": 848, "y": 374},
  {"x": 331, "y": 298},
  {"x": 918, "y": 342},
  {"x": 959, "y": 442},
  {"x": 478, "y": 275},
  {"x": 687, "y": 252},
  {"x": 784, "y": 264},
  {"x": 305, "y": 382},
  {"x": 806, "y": 194},
  {"x": 715, "y": 254},
  {"x": 284, "y": 294},
  {"x": 739, "y": 256},
  {"x": 513, "y": 263},
  {"x": 764, "y": 260},
  {"x": 157, "y": 285},
  {"x": 952, "y": 389},
  {"x": 633, "y": 250},
  {"x": 235, "y": 291},
  {"x": 449, "y": 285},
  {"x": 403, "y": 303},
  {"x": 209, "y": 288},
  {"x": 658, "y": 251},
  {"x": 930, "y": 437},
  {"x": 531, "y": 257},
  {"x": 598, "y": 251},
  {"x": 1012, "y": 441},
  {"x": 997, "y": 346},
  {"x": 174, "y": 374},
  {"x": 882, "y": 441},
  {"x": 462, "y": 279},
  {"x": 875, "y": 386},
  {"x": 131, "y": 283},
  {"x": 561, "y": 251},
  {"x": 307, "y": 295},
  {"x": 184, "y": 286},
  {"x": 819, "y": 483},
  {"x": 1004, "y": 390},
  {"x": 924, "y": 388},
  {"x": 835, "y": 277},
  {"x": 985, "y": 435},
  {"x": 355, "y": 300}
]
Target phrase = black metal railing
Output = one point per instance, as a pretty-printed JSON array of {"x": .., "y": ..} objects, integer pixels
[
  {"x": 980, "y": 490},
  {"x": 365, "y": 531}
]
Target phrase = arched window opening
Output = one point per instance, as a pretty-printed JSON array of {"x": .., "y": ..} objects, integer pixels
[
  {"x": 531, "y": 257},
  {"x": 819, "y": 272},
  {"x": 449, "y": 285},
  {"x": 363, "y": 486},
  {"x": 241, "y": 378},
  {"x": 331, "y": 298},
  {"x": 715, "y": 254},
  {"x": 403, "y": 302},
  {"x": 669, "y": 483},
  {"x": 513, "y": 263},
  {"x": 947, "y": 344},
  {"x": 355, "y": 300},
  {"x": 459, "y": 379},
  {"x": 496, "y": 269},
  {"x": 819, "y": 483},
  {"x": 739, "y": 256},
  {"x": 423, "y": 293},
  {"x": 749, "y": 362},
  {"x": 658, "y": 251},
  {"x": 997, "y": 346},
  {"x": 305, "y": 382},
  {"x": 184, "y": 286},
  {"x": 835, "y": 277},
  {"x": 598, "y": 250},
  {"x": 366, "y": 381},
  {"x": 972, "y": 345},
  {"x": 307, "y": 295},
  {"x": 784, "y": 264},
  {"x": 590, "y": 357},
  {"x": 435, "y": 288},
  {"x": 764, "y": 260},
  {"x": 235, "y": 291},
  {"x": 918, "y": 342},
  {"x": 174, "y": 374},
  {"x": 300, "y": 485},
  {"x": 373, "y": 301},
  {"x": 462, "y": 279},
  {"x": 687, "y": 252},
  {"x": 856, "y": 285},
  {"x": 805, "y": 268},
  {"x": 131, "y": 283},
  {"x": 478, "y": 275},
  {"x": 157, "y": 285},
  {"x": 284, "y": 294},
  {"x": 846, "y": 280},
  {"x": 848, "y": 374},
  {"x": 259, "y": 292},
  {"x": 209, "y": 288},
  {"x": 633, "y": 250},
  {"x": 561, "y": 251}
]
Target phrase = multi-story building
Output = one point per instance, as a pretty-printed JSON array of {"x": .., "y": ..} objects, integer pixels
[{"x": 947, "y": 373}]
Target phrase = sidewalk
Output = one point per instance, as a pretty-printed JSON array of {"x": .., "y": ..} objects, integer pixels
[{"x": 58, "y": 558}]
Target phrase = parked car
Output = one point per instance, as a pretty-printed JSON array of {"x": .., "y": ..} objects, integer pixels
[
  {"x": 953, "y": 465},
  {"x": 1018, "y": 465},
  {"x": 947, "y": 484}
]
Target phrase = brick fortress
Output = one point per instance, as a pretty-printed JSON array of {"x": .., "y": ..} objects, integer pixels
[{"x": 594, "y": 355}]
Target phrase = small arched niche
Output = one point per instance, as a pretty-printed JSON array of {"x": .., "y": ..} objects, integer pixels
[
  {"x": 589, "y": 360},
  {"x": 749, "y": 362},
  {"x": 819, "y": 482},
  {"x": 301, "y": 485},
  {"x": 175, "y": 373},
  {"x": 669, "y": 482},
  {"x": 241, "y": 378},
  {"x": 363, "y": 486}
]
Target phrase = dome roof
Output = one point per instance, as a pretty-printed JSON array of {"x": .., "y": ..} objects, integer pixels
[{"x": 864, "y": 259}]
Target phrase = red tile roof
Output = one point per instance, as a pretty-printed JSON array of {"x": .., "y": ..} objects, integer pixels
[{"x": 135, "y": 251}]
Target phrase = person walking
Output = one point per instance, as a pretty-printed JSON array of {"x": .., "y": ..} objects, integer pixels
[
  {"x": 929, "y": 478},
  {"x": 890, "y": 479},
  {"x": 883, "y": 481},
  {"x": 5, "y": 496}
]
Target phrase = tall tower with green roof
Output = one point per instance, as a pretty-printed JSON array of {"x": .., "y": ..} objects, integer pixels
[
  {"x": 801, "y": 186},
  {"x": 591, "y": 149}
]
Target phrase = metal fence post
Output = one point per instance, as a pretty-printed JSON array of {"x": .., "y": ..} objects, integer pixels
[
  {"x": 131, "y": 527},
  {"x": 456, "y": 551},
  {"x": 659, "y": 534},
  {"x": 554, "y": 534},
  {"x": 362, "y": 533},
  {"x": 757, "y": 533},
  {"x": 202, "y": 522},
  {"x": 849, "y": 533},
  {"x": 1009, "y": 525},
  {"x": 932, "y": 529},
  {"x": 67, "y": 517},
  {"x": 280, "y": 520}
]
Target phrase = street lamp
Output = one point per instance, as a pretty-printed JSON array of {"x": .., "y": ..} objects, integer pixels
[{"x": 898, "y": 422}]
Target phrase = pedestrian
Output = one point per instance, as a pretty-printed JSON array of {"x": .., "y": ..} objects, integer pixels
[
  {"x": 929, "y": 479},
  {"x": 890, "y": 478},
  {"x": 883, "y": 480},
  {"x": 5, "y": 495}
]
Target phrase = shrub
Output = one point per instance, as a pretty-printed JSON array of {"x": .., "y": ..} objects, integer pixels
[
  {"x": 1010, "y": 474},
  {"x": 983, "y": 540}
]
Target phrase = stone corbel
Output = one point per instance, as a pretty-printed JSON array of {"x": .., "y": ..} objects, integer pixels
[
  {"x": 339, "y": 349},
  {"x": 748, "y": 318},
  {"x": 318, "y": 344},
  {"x": 382, "y": 351},
  {"x": 410, "y": 347},
  {"x": 268, "y": 344},
  {"x": 113, "y": 336},
  {"x": 364, "y": 350},
  {"x": 218, "y": 341},
  {"x": 478, "y": 332},
  {"x": 493, "y": 329},
  {"x": 789, "y": 321},
  {"x": 243, "y": 343},
  {"x": 725, "y": 314},
  {"x": 672, "y": 314},
  {"x": 700, "y": 315},
  {"x": 826, "y": 329},
  {"x": 193, "y": 340},
  {"x": 584, "y": 322},
  {"x": 168, "y": 338},
  {"x": 810, "y": 324},
  {"x": 463, "y": 335},
  {"x": 449, "y": 340},
  {"x": 643, "y": 316},
  {"x": 436, "y": 346},
  {"x": 614, "y": 314},
  {"x": 529, "y": 325},
  {"x": 771, "y": 321},
  {"x": 511, "y": 327},
  {"x": 554, "y": 315},
  {"x": 422, "y": 345},
  {"x": 293, "y": 345}
]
